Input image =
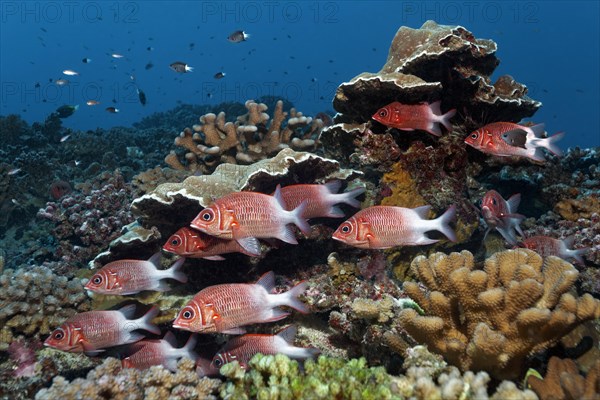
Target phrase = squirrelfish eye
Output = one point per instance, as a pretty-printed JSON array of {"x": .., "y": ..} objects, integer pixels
[
  {"x": 207, "y": 215},
  {"x": 474, "y": 135},
  {"x": 494, "y": 202},
  {"x": 175, "y": 242},
  {"x": 187, "y": 313},
  {"x": 383, "y": 113},
  {"x": 218, "y": 363},
  {"x": 97, "y": 279},
  {"x": 346, "y": 228},
  {"x": 58, "y": 334}
]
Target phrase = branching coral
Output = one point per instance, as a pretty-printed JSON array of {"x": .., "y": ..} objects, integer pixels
[
  {"x": 493, "y": 319},
  {"x": 563, "y": 381},
  {"x": 110, "y": 381},
  {"x": 252, "y": 137},
  {"x": 35, "y": 300}
]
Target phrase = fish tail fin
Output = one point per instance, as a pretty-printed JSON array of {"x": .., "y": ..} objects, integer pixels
[
  {"x": 443, "y": 119},
  {"x": 513, "y": 202},
  {"x": 290, "y": 298},
  {"x": 145, "y": 322},
  {"x": 350, "y": 197},
  {"x": 188, "y": 349},
  {"x": 333, "y": 186},
  {"x": 537, "y": 154},
  {"x": 578, "y": 254},
  {"x": 175, "y": 271},
  {"x": 189, "y": 69},
  {"x": 443, "y": 223},
  {"x": 539, "y": 130},
  {"x": 550, "y": 144},
  {"x": 300, "y": 221}
]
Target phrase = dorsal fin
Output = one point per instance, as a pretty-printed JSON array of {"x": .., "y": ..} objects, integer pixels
[
  {"x": 333, "y": 186},
  {"x": 267, "y": 281},
  {"x": 288, "y": 333}
]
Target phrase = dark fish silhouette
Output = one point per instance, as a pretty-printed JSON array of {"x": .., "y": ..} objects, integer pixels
[
  {"x": 66, "y": 111},
  {"x": 238, "y": 36},
  {"x": 181, "y": 67}
]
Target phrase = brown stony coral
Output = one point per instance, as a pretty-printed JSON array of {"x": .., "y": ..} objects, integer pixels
[
  {"x": 493, "y": 318},
  {"x": 563, "y": 381},
  {"x": 253, "y": 136}
]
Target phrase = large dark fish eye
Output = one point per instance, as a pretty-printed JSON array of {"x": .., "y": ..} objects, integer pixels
[
  {"x": 346, "y": 228},
  {"x": 383, "y": 113},
  {"x": 175, "y": 242},
  {"x": 97, "y": 279},
  {"x": 187, "y": 313},
  {"x": 218, "y": 363},
  {"x": 494, "y": 202},
  {"x": 207, "y": 215},
  {"x": 58, "y": 335},
  {"x": 474, "y": 135}
]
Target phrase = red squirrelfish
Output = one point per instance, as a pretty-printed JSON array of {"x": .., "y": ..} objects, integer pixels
[
  {"x": 125, "y": 277},
  {"x": 408, "y": 117},
  {"x": 190, "y": 243},
  {"x": 243, "y": 348},
  {"x": 546, "y": 246},
  {"x": 92, "y": 331},
  {"x": 502, "y": 215},
  {"x": 382, "y": 227},
  {"x": 225, "y": 308},
  {"x": 146, "y": 353},
  {"x": 245, "y": 216},
  {"x": 506, "y": 139},
  {"x": 320, "y": 199}
]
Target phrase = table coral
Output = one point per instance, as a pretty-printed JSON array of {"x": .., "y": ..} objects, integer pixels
[
  {"x": 110, "y": 381},
  {"x": 493, "y": 318},
  {"x": 563, "y": 381},
  {"x": 253, "y": 136},
  {"x": 34, "y": 300}
]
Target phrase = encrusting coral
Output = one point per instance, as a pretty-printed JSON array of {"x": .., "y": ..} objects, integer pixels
[
  {"x": 111, "y": 381},
  {"x": 563, "y": 381},
  {"x": 34, "y": 300},
  {"x": 493, "y": 319},
  {"x": 249, "y": 139}
]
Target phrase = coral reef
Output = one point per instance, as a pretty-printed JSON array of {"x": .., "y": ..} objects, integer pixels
[
  {"x": 253, "y": 136},
  {"x": 87, "y": 221},
  {"x": 278, "y": 377},
  {"x": 34, "y": 300},
  {"x": 563, "y": 381},
  {"x": 430, "y": 63},
  {"x": 493, "y": 319},
  {"x": 111, "y": 380}
]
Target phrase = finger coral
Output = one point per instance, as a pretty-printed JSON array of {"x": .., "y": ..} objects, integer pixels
[
  {"x": 563, "y": 381},
  {"x": 253, "y": 136},
  {"x": 493, "y": 318}
]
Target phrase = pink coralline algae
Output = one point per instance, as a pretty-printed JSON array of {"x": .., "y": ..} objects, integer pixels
[
  {"x": 23, "y": 355},
  {"x": 86, "y": 221}
]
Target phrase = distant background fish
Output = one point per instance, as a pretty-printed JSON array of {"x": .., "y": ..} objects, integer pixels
[
  {"x": 408, "y": 117},
  {"x": 382, "y": 227},
  {"x": 502, "y": 215},
  {"x": 181, "y": 67},
  {"x": 506, "y": 139},
  {"x": 226, "y": 308},
  {"x": 547, "y": 246},
  {"x": 238, "y": 36}
]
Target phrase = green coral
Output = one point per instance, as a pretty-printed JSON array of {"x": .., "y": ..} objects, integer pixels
[{"x": 278, "y": 377}]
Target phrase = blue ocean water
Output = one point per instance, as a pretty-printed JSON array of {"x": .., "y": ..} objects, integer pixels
[{"x": 298, "y": 50}]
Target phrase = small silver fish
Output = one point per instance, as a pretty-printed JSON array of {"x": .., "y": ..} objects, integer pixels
[
  {"x": 181, "y": 67},
  {"x": 116, "y": 55},
  {"x": 238, "y": 36},
  {"x": 14, "y": 171},
  {"x": 62, "y": 139},
  {"x": 70, "y": 72},
  {"x": 61, "y": 82}
]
